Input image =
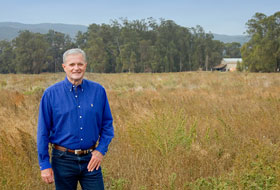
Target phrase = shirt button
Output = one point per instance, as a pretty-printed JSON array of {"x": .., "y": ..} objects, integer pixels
[
  {"x": 82, "y": 139},
  {"x": 80, "y": 117},
  {"x": 76, "y": 96},
  {"x": 79, "y": 106},
  {"x": 81, "y": 128}
]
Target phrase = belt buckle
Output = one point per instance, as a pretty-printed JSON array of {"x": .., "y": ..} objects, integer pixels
[{"x": 78, "y": 151}]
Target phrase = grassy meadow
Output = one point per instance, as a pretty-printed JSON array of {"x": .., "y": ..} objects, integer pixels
[{"x": 192, "y": 130}]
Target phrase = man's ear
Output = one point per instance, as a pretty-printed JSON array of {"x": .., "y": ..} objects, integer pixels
[{"x": 63, "y": 66}]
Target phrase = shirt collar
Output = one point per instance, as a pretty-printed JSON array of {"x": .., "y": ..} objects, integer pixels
[{"x": 71, "y": 87}]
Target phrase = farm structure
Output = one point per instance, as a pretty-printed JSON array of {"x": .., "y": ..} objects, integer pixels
[{"x": 227, "y": 64}]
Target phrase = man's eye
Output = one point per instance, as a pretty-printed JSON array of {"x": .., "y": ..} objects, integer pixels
[
  {"x": 71, "y": 65},
  {"x": 80, "y": 64}
]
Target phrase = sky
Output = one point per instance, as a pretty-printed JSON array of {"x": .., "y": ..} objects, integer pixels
[{"x": 217, "y": 16}]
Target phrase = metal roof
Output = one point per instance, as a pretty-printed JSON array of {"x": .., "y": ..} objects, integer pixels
[
  {"x": 221, "y": 66},
  {"x": 228, "y": 60}
]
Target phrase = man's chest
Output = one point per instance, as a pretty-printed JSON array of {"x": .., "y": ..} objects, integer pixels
[{"x": 79, "y": 103}]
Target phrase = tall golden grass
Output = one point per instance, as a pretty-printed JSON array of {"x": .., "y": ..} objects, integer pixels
[{"x": 194, "y": 130}]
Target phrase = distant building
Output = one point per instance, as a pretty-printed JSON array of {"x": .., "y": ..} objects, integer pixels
[
  {"x": 228, "y": 64},
  {"x": 221, "y": 67}
]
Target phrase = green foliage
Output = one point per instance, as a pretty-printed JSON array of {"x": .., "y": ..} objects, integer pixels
[
  {"x": 172, "y": 179},
  {"x": 259, "y": 176},
  {"x": 6, "y": 57},
  {"x": 34, "y": 52},
  {"x": 36, "y": 90},
  {"x": 164, "y": 133},
  {"x": 3, "y": 84},
  {"x": 262, "y": 52},
  {"x": 140, "y": 46},
  {"x": 30, "y": 52},
  {"x": 211, "y": 183},
  {"x": 118, "y": 184},
  {"x": 58, "y": 43},
  {"x": 232, "y": 50}
]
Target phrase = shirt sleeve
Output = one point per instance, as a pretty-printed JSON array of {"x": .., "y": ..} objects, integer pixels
[
  {"x": 43, "y": 132},
  {"x": 107, "y": 130}
]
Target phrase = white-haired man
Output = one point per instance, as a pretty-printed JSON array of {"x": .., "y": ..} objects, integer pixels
[{"x": 74, "y": 114}]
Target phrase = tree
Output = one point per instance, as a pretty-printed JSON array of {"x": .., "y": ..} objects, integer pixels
[
  {"x": 31, "y": 52},
  {"x": 232, "y": 50},
  {"x": 199, "y": 49},
  {"x": 148, "y": 46},
  {"x": 6, "y": 57},
  {"x": 261, "y": 53},
  {"x": 58, "y": 43},
  {"x": 81, "y": 40}
]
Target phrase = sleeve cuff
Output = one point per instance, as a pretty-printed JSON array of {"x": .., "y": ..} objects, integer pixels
[
  {"x": 101, "y": 150},
  {"x": 45, "y": 165}
]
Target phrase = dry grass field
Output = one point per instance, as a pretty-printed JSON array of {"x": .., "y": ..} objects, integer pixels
[{"x": 194, "y": 130}]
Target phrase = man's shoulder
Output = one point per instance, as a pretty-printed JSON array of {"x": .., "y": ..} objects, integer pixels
[
  {"x": 54, "y": 87},
  {"x": 93, "y": 84}
]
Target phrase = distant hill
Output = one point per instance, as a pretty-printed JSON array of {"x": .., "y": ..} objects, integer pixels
[
  {"x": 228, "y": 39},
  {"x": 9, "y": 30}
]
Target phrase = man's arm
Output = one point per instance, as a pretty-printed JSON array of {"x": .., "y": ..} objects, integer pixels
[
  {"x": 106, "y": 135},
  {"x": 107, "y": 130},
  {"x": 43, "y": 131}
]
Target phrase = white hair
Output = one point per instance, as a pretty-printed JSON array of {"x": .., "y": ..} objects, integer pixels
[{"x": 74, "y": 51}]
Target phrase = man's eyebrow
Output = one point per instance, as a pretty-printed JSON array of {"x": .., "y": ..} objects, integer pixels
[{"x": 76, "y": 63}]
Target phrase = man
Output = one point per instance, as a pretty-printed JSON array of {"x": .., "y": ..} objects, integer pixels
[{"x": 74, "y": 114}]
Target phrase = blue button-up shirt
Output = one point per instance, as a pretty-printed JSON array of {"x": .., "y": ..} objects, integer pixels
[{"x": 74, "y": 117}]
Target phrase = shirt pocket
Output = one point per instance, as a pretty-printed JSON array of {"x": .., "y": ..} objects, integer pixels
[
  {"x": 92, "y": 112},
  {"x": 90, "y": 109}
]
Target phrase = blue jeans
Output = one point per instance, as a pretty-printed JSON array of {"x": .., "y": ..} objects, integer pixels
[{"x": 69, "y": 168}]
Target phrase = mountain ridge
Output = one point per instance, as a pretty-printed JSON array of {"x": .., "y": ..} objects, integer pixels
[{"x": 10, "y": 30}]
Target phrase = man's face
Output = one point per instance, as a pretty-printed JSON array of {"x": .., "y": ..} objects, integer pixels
[{"x": 75, "y": 67}]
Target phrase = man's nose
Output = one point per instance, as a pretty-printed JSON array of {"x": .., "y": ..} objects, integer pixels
[{"x": 76, "y": 66}]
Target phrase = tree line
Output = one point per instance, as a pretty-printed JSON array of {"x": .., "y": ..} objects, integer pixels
[
  {"x": 262, "y": 52},
  {"x": 143, "y": 45}
]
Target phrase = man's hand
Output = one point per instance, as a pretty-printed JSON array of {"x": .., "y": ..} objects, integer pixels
[
  {"x": 95, "y": 161},
  {"x": 47, "y": 175}
]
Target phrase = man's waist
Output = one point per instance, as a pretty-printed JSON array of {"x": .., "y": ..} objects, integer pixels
[{"x": 75, "y": 151}]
